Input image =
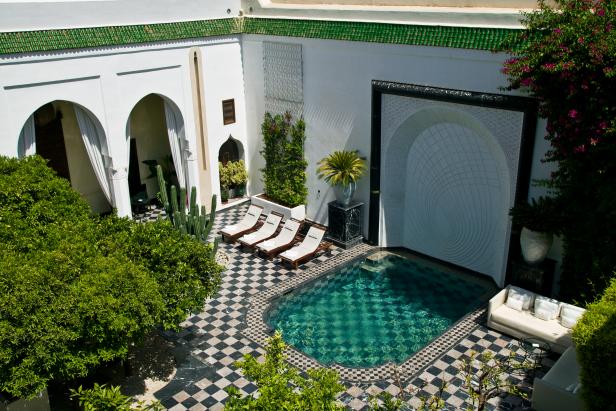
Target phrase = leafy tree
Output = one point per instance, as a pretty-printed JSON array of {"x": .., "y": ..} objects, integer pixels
[
  {"x": 281, "y": 387},
  {"x": 76, "y": 290},
  {"x": 566, "y": 57}
]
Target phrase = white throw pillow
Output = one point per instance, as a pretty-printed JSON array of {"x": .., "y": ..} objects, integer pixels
[
  {"x": 546, "y": 308},
  {"x": 519, "y": 294},
  {"x": 515, "y": 304},
  {"x": 570, "y": 314}
]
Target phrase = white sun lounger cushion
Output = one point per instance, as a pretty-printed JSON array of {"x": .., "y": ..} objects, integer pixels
[
  {"x": 250, "y": 219},
  {"x": 308, "y": 246},
  {"x": 287, "y": 234},
  {"x": 267, "y": 230}
]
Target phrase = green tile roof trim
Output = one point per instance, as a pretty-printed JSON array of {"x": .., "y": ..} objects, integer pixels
[
  {"x": 439, "y": 36},
  {"x": 49, "y": 40}
]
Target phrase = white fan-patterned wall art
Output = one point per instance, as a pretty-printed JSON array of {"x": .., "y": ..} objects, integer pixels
[
  {"x": 448, "y": 176},
  {"x": 282, "y": 70}
]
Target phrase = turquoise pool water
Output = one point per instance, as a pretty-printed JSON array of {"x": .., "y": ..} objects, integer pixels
[{"x": 375, "y": 310}]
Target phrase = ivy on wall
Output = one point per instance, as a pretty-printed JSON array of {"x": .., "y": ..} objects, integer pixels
[{"x": 284, "y": 174}]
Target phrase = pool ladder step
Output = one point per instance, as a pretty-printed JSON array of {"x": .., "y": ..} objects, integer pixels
[{"x": 370, "y": 268}]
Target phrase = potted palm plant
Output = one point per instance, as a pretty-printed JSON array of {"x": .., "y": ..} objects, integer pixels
[
  {"x": 538, "y": 220},
  {"x": 342, "y": 169}
]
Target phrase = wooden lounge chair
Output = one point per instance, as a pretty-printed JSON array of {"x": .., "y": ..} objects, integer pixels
[
  {"x": 267, "y": 230},
  {"x": 307, "y": 249},
  {"x": 283, "y": 241},
  {"x": 249, "y": 223}
]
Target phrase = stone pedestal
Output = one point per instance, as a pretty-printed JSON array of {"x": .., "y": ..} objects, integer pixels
[
  {"x": 537, "y": 278},
  {"x": 345, "y": 224}
]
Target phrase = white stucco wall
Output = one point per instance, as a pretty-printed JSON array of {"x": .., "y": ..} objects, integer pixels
[
  {"x": 337, "y": 87},
  {"x": 110, "y": 82}
]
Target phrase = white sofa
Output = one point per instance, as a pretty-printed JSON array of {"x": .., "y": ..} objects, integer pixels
[
  {"x": 559, "y": 389},
  {"x": 523, "y": 322}
]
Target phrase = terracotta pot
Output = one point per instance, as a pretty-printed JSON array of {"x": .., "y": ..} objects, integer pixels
[{"x": 535, "y": 245}]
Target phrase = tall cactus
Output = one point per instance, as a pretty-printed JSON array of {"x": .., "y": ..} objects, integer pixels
[{"x": 192, "y": 221}]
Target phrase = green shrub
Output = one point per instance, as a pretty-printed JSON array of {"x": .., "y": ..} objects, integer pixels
[
  {"x": 103, "y": 398},
  {"x": 595, "y": 341},
  {"x": 281, "y": 387},
  {"x": 76, "y": 290},
  {"x": 284, "y": 174}
]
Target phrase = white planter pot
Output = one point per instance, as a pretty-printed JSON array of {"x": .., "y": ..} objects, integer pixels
[
  {"x": 344, "y": 194},
  {"x": 298, "y": 213},
  {"x": 535, "y": 245},
  {"x": 38, "y": 403}
]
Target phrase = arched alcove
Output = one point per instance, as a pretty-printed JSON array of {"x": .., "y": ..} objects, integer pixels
[
  {"x": 155, "y": 136},
  {"x": 446, "y": 189},
  {"x": 229, "y": 154},
  {"x": 73, "y": 142}
]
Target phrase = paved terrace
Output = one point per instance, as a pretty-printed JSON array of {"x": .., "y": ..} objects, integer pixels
[{"x": 230, "y": 326}]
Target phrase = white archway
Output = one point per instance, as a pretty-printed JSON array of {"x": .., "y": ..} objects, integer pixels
[
  {"x": 80, "y": 141},
  {"x": 157, "y": 124},
  {"x": 446, "y": 190}
]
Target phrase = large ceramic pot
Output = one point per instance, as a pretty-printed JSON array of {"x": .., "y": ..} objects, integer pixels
[
  {"x": 535, "y": 245},
  {"x": 344, "y": 194}
]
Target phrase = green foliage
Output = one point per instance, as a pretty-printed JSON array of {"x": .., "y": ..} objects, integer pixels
[
  {"x": 194, "y": 221},
  {"x": 539, "y": 215},
  {"x": 76, "y": 290},
  {"x": 342, "y": 168},
  {"x": 239, "y": 175},
  {"x": 225, "y": 177},
  {"x": 484, "y": 377},
  {"x": 284, "y": 174},
  {"x": 103, "y": 398},
  {"x": 281, "y": 387},
  {"x": 595, "y": 341},
  {"x": 566, "y": 57}
]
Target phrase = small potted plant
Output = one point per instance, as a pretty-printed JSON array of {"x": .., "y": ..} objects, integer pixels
[
  {"x": 341, "y": 170},
  {"x": 225, "y": 181},
  {"x": 538, "y": 220},
  {"x": 239, "y": 177}
]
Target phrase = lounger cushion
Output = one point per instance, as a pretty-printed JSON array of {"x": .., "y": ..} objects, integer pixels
[{"x": 526, "y": 323}]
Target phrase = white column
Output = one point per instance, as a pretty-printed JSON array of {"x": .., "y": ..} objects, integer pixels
[{"x": 120, "y": 192}]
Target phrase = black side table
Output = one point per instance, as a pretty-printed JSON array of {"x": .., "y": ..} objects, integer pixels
[{"x": 345, "y": 224}]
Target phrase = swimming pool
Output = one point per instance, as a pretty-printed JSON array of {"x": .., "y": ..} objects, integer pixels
[{"x": 381, "y": 308}]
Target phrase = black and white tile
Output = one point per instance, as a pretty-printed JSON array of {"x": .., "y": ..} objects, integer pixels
[{"x": 231, "y": 325}]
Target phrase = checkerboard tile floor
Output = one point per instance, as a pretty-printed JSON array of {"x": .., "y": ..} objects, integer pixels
[{"x": 218, "y": 336}]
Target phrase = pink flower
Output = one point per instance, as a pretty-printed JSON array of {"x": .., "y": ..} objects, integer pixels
[
  {"x": 573, "y": 113},
  {"x": 525, "y": 69},
  {"x": 549, "y": 66},
  {"x": 526, "y": 82},
  {"x": 581, "y": 40},
  {"x": 558, "y": 31},
  {"x": 594, "y": 141},
  {"x": 580, "y": 149},
  {"x": 601, "y": 12},
  {"x": 603, "y": 125}
]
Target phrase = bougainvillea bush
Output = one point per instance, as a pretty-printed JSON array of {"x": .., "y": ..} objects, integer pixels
[{"x": 566, "y": 57}]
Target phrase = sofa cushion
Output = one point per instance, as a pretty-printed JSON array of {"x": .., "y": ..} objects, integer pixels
[
  {"x": 570, "y": 314},
  {"x": 546, "y": 308},
  {"x": 527, "y": 324},
  {"x": 516, "y": 294}
]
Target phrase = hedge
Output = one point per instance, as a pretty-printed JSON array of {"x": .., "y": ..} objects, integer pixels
[{"x": 595, "y": 340}]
